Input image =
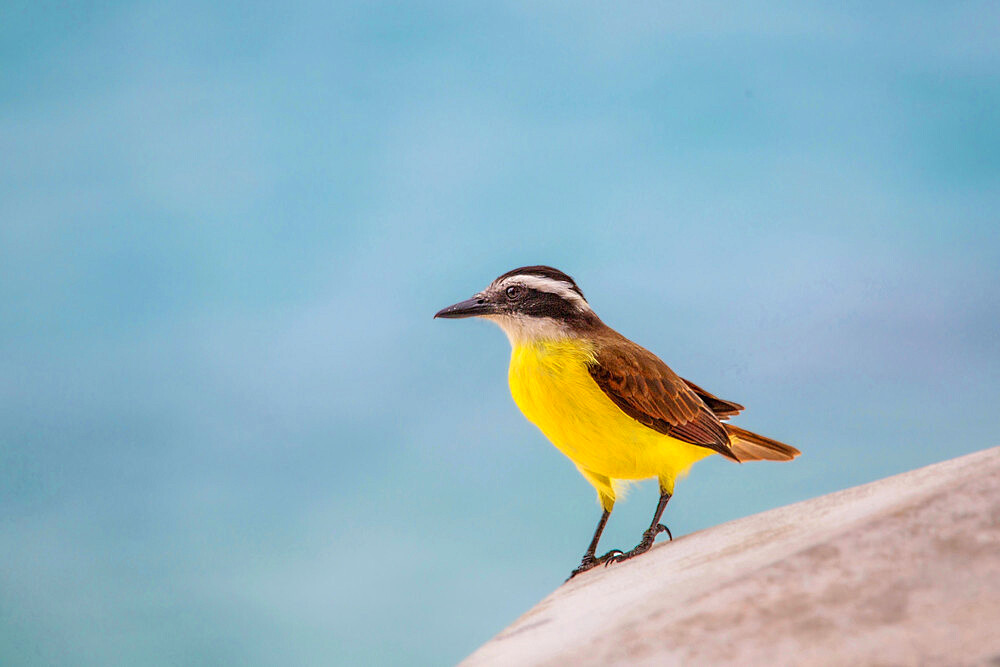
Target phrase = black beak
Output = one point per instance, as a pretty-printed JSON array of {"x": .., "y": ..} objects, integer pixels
[{"x": 473, "y": 307}]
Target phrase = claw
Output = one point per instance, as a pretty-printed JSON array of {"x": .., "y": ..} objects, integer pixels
[
  {"x": 660, "y": 528},
  {"x": 587, "y": 563},
  {"x": 648, "y": 537},
  {"x": 614, "y": 553},
  {"x": 613, "y": 556}
]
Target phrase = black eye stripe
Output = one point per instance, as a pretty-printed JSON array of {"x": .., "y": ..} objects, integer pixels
[{"x": 538, "y": 303}]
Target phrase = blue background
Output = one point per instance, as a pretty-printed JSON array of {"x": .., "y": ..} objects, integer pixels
[{"x": 230, "y": 431}]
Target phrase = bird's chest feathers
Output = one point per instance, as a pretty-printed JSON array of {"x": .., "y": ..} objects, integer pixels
[
  {"x": 543, "y": 372},
  {"x": 551, "y": 384}
]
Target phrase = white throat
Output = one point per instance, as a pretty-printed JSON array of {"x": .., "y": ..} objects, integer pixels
[{"x": 527, "y": 330}]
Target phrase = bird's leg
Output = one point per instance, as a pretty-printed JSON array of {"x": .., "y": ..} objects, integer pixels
[
  {"x": 589, "y": 560},
  {"x": 649, "y": 536}
]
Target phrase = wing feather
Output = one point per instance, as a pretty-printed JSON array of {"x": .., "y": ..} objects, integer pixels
[
  {"x": 645, "y": 388},
  {"x": 721, "y": 407}
]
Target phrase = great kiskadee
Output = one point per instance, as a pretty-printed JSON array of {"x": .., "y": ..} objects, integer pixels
[{"x": 614, "y": 408}]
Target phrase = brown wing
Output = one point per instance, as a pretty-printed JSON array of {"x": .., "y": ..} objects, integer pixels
[
  {"x": 721, "y": 407},
  {"x": 648, "y": 391}
]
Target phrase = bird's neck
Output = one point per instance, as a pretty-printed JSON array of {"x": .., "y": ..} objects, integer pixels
[{"x": 523, "y": 331}]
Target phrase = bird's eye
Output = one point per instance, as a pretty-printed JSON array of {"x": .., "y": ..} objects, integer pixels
[{"x": 513, "y": 292}]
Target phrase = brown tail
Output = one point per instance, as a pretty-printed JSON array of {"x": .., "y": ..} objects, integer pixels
[{"x": 752, "y": 447}]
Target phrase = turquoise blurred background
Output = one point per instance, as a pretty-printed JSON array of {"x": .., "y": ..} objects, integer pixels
[{"x": 230, "y": 431}]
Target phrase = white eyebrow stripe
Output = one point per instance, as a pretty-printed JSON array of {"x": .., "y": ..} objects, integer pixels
[{"x": 558, "y": 287}]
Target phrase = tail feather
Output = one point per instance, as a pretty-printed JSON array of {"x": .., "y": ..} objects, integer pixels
[{"x": 749, "y": 446}]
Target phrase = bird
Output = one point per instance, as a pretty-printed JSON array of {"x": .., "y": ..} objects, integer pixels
[{"x": 614, "y": 408}]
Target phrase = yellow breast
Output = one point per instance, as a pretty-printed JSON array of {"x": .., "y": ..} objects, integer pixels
[{"x": 551, "y": 385}]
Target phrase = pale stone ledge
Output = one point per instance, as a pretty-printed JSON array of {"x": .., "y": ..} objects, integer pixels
[{"x": 902, "y": 571}]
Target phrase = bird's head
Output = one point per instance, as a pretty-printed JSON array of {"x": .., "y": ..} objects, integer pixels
[{"x": 530, "y": 303}]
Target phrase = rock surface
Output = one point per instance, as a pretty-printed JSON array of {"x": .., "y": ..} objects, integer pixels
[{"x": 902, "y": 571}]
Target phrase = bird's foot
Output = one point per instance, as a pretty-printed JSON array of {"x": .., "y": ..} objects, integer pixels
[
  {"x": 589, "y": 562},
  {"x": 645, "y": 545}
]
